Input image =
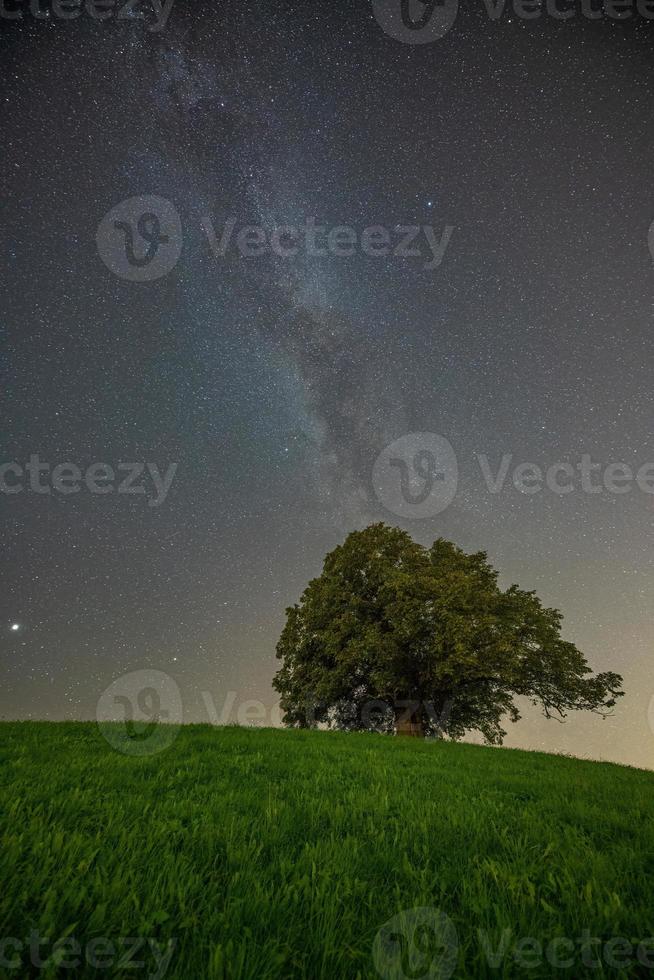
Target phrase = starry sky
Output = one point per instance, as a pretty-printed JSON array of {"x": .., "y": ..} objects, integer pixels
[{"x": 275, "y": 382}]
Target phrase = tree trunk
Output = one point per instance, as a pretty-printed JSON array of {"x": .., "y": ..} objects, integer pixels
[{"x": 409, "y": 724}]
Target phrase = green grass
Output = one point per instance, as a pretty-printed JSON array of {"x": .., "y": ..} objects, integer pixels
[{"x": 267, "y": 853}]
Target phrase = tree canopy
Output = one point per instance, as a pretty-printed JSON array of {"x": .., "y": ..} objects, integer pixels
[{"x": 395, "y": 636}]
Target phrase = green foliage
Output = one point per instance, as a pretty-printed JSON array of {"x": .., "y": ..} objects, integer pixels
[
  {"x": 278, "y": 855},
  {"x": 429, "y": 633}
]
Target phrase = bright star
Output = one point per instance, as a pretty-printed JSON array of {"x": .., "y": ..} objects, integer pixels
[{"x": 15, "y": 627}]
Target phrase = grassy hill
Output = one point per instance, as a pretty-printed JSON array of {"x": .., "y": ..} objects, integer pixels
[{"x": 264, "y": 853}]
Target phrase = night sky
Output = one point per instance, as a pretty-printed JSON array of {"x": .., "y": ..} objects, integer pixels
[{"x": 274, "y": 382}]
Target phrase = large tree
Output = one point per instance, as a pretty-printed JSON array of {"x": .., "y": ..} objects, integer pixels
[{"x": 393, "y": 636}]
